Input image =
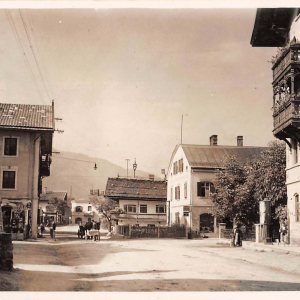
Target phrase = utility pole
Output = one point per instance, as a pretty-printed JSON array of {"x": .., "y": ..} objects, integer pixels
[
  {"x": 127, "y": 165},
  {"x": 181, "y": 129}
]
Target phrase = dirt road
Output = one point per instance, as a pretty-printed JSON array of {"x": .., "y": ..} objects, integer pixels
[{"x": 149, "y": 265}]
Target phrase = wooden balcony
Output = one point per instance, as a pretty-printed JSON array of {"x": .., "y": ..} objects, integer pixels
[
  {"x": 286, "y": 119},
  {"x": 45, "y": 163}
]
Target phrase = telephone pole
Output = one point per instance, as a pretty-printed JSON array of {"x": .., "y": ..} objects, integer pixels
[{"x": 127, "y": 165}]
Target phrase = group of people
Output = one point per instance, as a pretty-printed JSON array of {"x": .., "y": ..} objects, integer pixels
[{"x": 89, "y": 230}]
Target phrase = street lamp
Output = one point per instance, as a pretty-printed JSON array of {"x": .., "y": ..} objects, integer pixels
[
  {"x": 134, "y": 167},
  {"x": 95, "y": 167}
]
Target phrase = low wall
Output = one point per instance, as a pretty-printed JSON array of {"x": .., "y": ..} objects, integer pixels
[{"x": 6, "y": 251}]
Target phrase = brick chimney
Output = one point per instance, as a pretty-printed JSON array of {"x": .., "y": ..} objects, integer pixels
[
  {"x": 151, "y": 177},
  {"x": 239, "y": 140},
  {"x": 213, "y": 140}
]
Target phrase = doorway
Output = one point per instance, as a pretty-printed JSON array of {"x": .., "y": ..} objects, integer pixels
[{"x": 206, "y": 223}]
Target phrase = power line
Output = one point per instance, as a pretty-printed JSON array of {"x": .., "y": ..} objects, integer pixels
[
  {"x": 32, "y": 50},
  {"x": 39, "y": 53},
  {"x": 15, "y": 32},
  {"x": 74, "y": 159}
]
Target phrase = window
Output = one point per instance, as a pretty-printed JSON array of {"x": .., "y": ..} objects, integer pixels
[
  {"x": 129, "y": 208},
  {"x": 204, "y": 189},
  {"x": 78, "y": 209},
  {"x": 9, "y": 179},
  {"x": 185, "y": 190},
  {"x": 160, "y": 209},
  {"x": 295, "y": 151},
  {"x": 177, "y": 218},
  {"x": 177, "y": 192},
  {"x": 143, "y": 208},
  {"x": 297, "y": 208},
  {"x": 180, "y": 163},
  {"x": 10, "y": 146},
  {"x": 89, "y": 208},
  {"x": 186, "y": 213}
]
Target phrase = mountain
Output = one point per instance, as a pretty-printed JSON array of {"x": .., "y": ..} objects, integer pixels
[{"x": 74, "y": 173}]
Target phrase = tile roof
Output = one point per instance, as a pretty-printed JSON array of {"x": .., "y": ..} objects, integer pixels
[
  {"x": 123, "y": 188},
  {"x": 52, "y": 195},
  {"x": 27, "y": 116},
  {"x": 207, "y": 156}
]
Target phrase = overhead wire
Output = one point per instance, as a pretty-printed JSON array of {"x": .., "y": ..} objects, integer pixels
[
  {"x": 31, "y": 23},
  {"x": 33, "y": 52},
  {"x": 17, "y": 37}
]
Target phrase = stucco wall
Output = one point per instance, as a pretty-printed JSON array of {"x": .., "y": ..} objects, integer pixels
[{"x": 22, "y": 163}]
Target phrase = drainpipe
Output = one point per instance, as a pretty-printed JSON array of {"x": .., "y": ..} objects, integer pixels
[
  {"x": 35, "y": 182},
  {"x": 191, "y": 198}
]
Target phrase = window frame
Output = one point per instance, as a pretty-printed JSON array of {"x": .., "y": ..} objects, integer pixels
[
  {"x": 207, "y": 188},
  {"x": 144, "y": 206},
  {"x": 17, "y": 145},
  {"x": 158, "y": 206},
  {"x": 78, "y": 211},
  {"x": 89, "y": 207},
  {"x": 9, "y": 169},
  {"x": 126, "y": 206}
]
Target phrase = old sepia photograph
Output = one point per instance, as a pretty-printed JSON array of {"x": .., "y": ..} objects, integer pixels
[{"x": 149, "y": 148}]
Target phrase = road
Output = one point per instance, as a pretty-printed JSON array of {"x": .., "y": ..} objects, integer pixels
[{"x": 146, "y": 265}]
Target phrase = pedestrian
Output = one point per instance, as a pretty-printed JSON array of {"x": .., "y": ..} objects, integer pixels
[
  {"x": 54, "y": 228},
  {"x": 98, "y": 228},
  {"x": 237, "y": 236}
]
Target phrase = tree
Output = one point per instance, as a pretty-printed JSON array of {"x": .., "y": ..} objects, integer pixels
[
  {"x": 233, "y": 197},
  {"x": 240, "y": 187},
  {"x": 107, "y": 207},
  {"x": 270, "y": 176}
]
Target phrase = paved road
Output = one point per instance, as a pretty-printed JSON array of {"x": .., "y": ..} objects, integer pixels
[{"x": 150, "y": 265}]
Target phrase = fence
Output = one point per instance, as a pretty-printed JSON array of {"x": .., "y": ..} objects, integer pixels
[
  {"x": 246, "y": 235},
  {"x": 144, "y": 231},
  {"x": 172, "y": 232}
]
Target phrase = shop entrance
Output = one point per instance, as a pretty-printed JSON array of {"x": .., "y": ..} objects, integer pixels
[{"x": 6, "y": 214}]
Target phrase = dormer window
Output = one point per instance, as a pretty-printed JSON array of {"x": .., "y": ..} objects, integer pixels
[{"x": 10, "y": 146}]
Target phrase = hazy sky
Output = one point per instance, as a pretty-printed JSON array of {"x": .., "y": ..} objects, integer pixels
[{"x": 122, "y": 79}]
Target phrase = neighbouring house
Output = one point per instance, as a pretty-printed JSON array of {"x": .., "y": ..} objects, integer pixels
[
  {"x": 280, "y": 27},
  {"x": 54, "y": 206},
  {"x": 143, "y": 201},
  {"x": 84, "y": 211},
  {"x": 191, "y": 174},
  {"x": 26, "y": 133}
]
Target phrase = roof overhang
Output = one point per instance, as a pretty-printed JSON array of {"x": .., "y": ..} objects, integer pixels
[{"x": 272, "y": 26}]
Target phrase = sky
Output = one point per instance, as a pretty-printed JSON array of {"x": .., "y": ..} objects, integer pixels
[{"x": 122, "y": 79}]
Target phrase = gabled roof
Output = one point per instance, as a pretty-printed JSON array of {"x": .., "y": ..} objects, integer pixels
[
  {"x": 27, "y": 117},
  {"x": 86, "y": 199},
  {"x": 52, "y": 195},
  {"x": 123, "y": 188},
  {"x": 212, "y": 156}
]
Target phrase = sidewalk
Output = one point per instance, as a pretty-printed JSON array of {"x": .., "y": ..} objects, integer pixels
[{"x": 274, "y": 247}]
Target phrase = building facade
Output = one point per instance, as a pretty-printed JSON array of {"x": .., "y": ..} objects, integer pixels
[
  {"x": 280, "y": 27},
  {"x": 143, "y": 201},
  {"x": 83, "y": 211},
  {"x": 191, "y": 174},
  {"x": 26, "y": 133},
  {"x": 53, "y": 205}
]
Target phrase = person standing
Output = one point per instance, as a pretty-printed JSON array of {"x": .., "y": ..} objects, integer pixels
[{"x": 54, "y": 228}]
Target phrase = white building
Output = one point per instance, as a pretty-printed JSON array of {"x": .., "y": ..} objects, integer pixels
[
  {"x": 190, "y": 178},
  {"x": 84, "y": 211}
]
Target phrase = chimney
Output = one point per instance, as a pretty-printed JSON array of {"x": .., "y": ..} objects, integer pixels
[
  {"x": 239, "y": 140},
  {"x": 45, "y": 190},
  {"x": 213, "y": 140},
  {"x": 151, "y": 177}
]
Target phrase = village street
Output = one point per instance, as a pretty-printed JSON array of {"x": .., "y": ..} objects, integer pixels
[{"x": 144, "y": 265}]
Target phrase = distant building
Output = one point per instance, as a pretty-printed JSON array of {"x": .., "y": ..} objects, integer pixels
[
  {"x": 49, "y": 211},
  {"x": 191, "y": 174},
  {"x": 142, "y": 200},
  {"x": 26, "y": 133},
  {"x": 83, "y": 211}
]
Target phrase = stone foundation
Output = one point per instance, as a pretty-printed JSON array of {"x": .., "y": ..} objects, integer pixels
[{"x": 6, "y": 251}]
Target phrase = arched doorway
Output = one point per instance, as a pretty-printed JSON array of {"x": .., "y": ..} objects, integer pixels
[{"x": 206, "y": 222}]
